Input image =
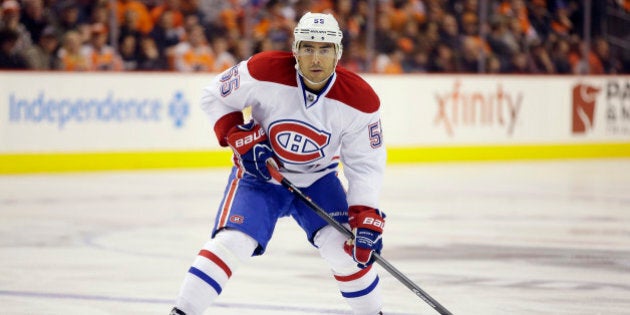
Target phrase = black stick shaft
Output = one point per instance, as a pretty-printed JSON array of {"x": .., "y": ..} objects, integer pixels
[{"x": 343, "y": 230}]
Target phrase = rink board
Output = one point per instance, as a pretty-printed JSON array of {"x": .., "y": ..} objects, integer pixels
[{"x": 98, "y": 121}]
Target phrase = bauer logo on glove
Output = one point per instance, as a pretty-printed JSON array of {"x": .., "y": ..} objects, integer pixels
[
  {"x": 251, "y": 149},
  {"x": 242, "y": 145},
  {"x": 367, "y": 227}
]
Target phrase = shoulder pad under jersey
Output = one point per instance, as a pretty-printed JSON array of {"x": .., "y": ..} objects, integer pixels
[
  {"x": 273, "y": 66},
  {"x": 353, "y": 91}
]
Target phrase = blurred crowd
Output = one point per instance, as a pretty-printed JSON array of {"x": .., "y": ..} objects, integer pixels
[{"x": 408, "y": 36}]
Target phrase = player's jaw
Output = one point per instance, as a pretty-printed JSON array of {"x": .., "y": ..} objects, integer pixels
[{"x": 317, "y": 72}]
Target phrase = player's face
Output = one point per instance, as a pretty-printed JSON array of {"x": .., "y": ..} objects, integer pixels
[{"x": 317, "y": 61}]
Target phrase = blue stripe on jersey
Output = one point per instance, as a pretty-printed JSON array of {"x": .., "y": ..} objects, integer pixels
[
  {"x": 205, "y": 278},
  {"x": 362, "y": 292}
]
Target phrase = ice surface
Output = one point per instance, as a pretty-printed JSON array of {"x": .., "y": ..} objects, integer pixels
[{"x": 518, "y": 238}]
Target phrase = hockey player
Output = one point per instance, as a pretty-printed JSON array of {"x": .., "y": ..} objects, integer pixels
[{"x": 308, "y": 115}]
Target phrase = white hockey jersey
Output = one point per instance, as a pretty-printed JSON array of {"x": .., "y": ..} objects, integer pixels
[{"x": 309, "y": 133}]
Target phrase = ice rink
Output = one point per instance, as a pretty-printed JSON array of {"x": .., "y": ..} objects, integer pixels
[{"x": 518, "y": 238}]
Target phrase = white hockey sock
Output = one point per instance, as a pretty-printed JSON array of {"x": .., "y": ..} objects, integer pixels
[
  {"x": 212, "y": 268},
  {"x": 359, "y": 287},
  {"x": 362, "y": 291}
]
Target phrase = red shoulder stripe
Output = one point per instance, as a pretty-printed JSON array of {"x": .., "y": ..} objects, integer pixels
[
  {"x": 273, "y": 66},
  {"x": 352, "y": 90}
]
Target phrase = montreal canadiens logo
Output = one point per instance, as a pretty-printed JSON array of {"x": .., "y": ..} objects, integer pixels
[{"x": 297, "y": 142}]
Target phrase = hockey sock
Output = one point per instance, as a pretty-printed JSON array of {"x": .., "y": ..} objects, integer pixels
[
  {"x": 212, "y": 268},
  {"x": 359, "y": 287},
  {"x": 361, "y": 291}
]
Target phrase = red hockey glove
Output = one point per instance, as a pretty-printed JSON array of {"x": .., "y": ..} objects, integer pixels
[
  {"x": 251, "y": 149},
  {"x": 367, "y": 226}
]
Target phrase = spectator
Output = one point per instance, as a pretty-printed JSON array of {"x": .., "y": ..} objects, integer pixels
[
  {"x": 194, "y": 54},
  {"x": 583, "y": 60},
  {"x": 264, "y": 45},
  {"x": 85, "y": 31},
  {"x": 469, "y": 24},
  {"x": 470, "y": 29},
  {"x": 191, "y": 7},
  {"x": 449, "y": 32},
  {"x": 349, "y": 26},
  {"x": 274, "y": 25},
  {"x": 437, "y": 11},
  {"x": 101, "y": 56},
  {"x": 211, "y": 10},
  {"x": 68, "y": 18},
  {"x": 461, "y": 7},
  {"x": 43, "y": 55},
  {"x": 561, "y": 22},
  {"x": 516, "y": 37},
  {"x": 408, "y": 37},
  {"x": 69, "y": 54},
  {"x": 224, "y": 58},
  {"x": 172, "y": 6},
  {"x": 520, "y": 64},
  {"x": 443, "y": 59},
  {"x": 418, "y": 62},
  {"x": 471, "y": 52},
  {"x": 144, "y": 22},
  {"x": 473, "y": 47},
  {"x": 129, "y": 52},
  {"x": 99, "y": 14},
  {"x": 385, "y": 38},
  {"x": 501, "y": 41},
  {"x": 518, "y": 10},
  {"x": 540, "y": 19},
  {"x": 10, "y": 57},
  {"x": 610, "y": 63},
  {"x": 540, "y": 59},
  {"x": 34, "y": 18},
  {"x": 417, "y": 11},
  {"x": 397, "y": 13},
  {"x": 389, "y": 63},
  {"x": 230, "y": 18},
  {"x": 149, "y": 57},
  {"x": 165, "y": 34},
  {"x": 129, "y": 26},
  {"x": 11, "y": 20},
  {"x": 243, "y": 49},
  {"x": 560, "y": 57},
  {"x": 356, "y": 21},
  {"x": 354, "y": 58},
  {"x": 429, "y": 36},
  {"x": 494, "y": 65}
]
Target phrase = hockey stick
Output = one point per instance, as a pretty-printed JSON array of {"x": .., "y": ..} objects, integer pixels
[{"x": 343, "y": 230}]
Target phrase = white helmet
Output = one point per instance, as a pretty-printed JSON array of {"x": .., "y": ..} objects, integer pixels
[{"x": 318, "y": 27}]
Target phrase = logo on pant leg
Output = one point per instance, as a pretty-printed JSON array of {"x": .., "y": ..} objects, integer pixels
[{"x": 238, "y": 219}]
